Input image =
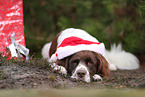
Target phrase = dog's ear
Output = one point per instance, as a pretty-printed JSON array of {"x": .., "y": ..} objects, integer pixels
[
  {"x": 102, "y": 66},
  {"x": 53, "y": 46},
  {"x": 63, "y": 62}
]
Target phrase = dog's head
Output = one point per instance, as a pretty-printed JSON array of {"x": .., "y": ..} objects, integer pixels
[{"x": 84, "y": 65}]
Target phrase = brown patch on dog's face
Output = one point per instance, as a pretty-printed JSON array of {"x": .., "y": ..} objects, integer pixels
[{"x": 86, "y": 57}]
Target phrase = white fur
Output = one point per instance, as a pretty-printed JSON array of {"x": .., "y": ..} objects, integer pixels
[
  {"x": 61, "y": 70},
  {"x": 97, "y": 77},
  {"x": 81, "y": 67},
  {"x": 120, "y": 59},
  {"x": 45, "y": 51},
  {"x": 112, "y": 66}
]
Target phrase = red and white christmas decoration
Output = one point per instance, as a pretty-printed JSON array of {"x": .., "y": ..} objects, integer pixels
[{"x": 12, "y": 28}]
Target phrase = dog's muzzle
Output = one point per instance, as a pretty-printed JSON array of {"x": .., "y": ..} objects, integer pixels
[{"x": 81, "y": 73}]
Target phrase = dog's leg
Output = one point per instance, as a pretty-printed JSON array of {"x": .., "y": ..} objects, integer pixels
[
  {"x": 97, "y": 77},
  {"x": 60, "y": 69}
]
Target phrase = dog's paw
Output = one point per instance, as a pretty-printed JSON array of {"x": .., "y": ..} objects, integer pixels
[
  {"x": 97, "y": 77},
  {"x": 61, "y": 70}
]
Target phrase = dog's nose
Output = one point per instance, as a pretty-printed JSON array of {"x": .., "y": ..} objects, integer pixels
[{"x": 81, "y": 74}]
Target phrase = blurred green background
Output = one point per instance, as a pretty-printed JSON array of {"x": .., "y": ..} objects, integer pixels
[{"x": 110, "y": 21}]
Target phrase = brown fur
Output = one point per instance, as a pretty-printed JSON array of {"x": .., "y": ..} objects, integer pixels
[
  {"x": 103, "y": 69},
  {"x": 53, "y": 46},
  {"x": 97, "y": 63}
]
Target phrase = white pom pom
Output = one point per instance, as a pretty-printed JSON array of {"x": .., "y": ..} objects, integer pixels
[{"x": 53, "y": 58}]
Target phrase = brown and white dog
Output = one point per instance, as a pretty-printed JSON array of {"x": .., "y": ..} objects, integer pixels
[{"x": 75, "y": 52}]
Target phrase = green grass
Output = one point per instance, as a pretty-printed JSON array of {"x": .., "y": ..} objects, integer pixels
[{"x": 72, "y": 93}]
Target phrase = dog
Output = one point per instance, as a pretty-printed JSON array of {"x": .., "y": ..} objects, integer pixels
[{"x": 84, "y": 58}]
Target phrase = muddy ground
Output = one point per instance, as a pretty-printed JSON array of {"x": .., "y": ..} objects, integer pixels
[{"x": 36, "y": 73}]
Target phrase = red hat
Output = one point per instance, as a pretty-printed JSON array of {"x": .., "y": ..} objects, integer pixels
[{"x": 73, "y": 40}]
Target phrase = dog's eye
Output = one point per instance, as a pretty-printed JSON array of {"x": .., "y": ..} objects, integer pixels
[
  {"x": 75, "y": 63},
  {"x": 89, "y": 63}
]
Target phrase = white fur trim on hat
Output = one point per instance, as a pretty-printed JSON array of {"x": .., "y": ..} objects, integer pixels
[{"x": 63, "y": 52}]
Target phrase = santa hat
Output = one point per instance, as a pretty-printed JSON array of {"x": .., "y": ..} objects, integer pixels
[{"x": 73, "y": 44}]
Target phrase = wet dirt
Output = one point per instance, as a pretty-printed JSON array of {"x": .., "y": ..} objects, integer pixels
[{"x": 36, "y": 73}]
